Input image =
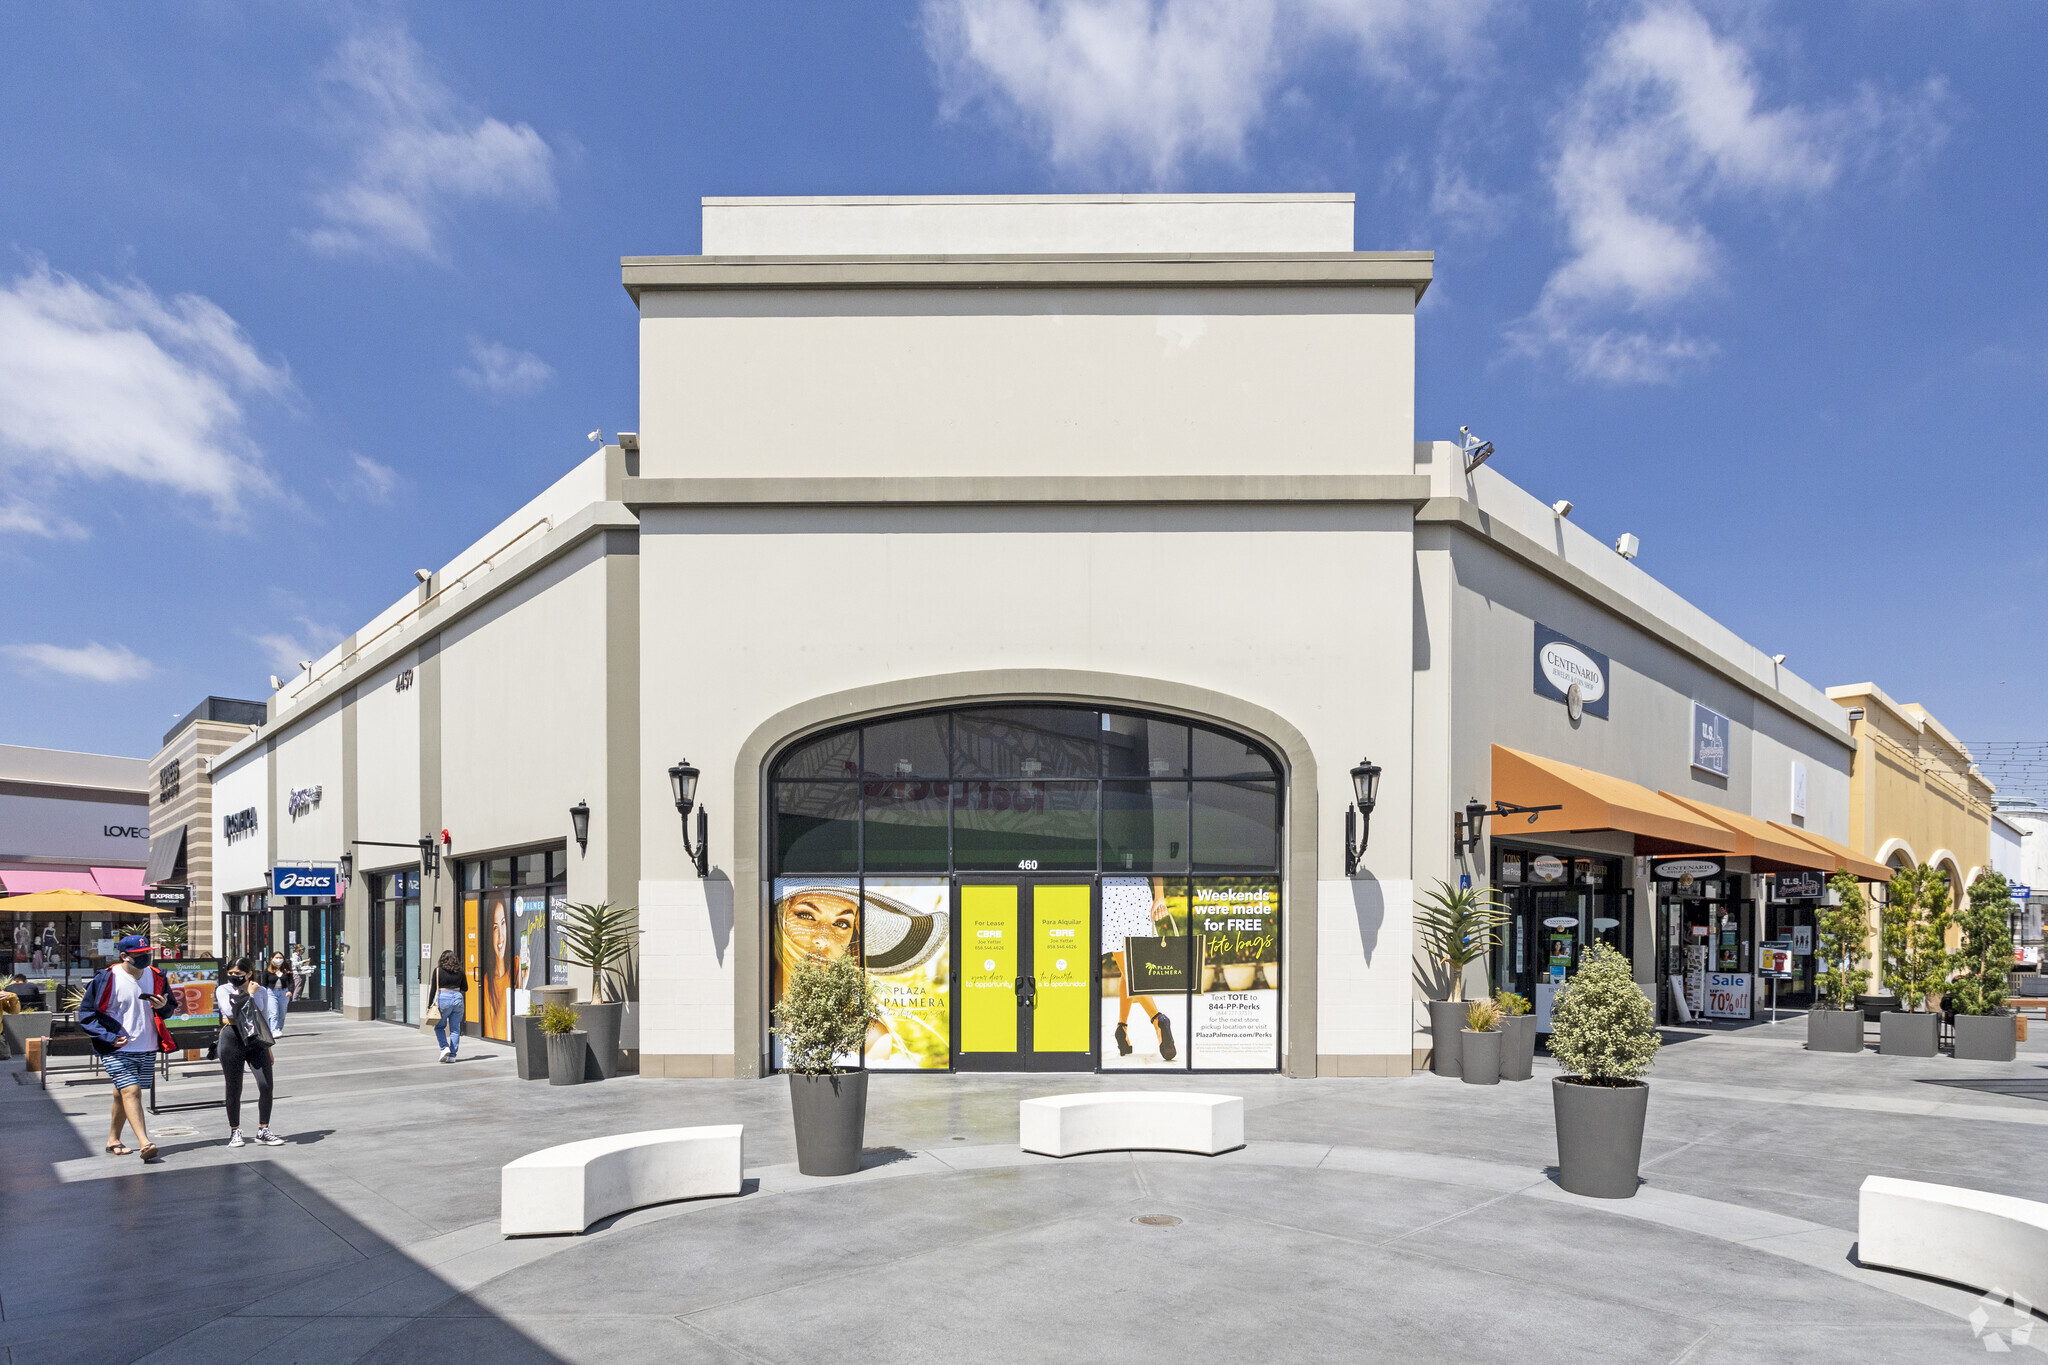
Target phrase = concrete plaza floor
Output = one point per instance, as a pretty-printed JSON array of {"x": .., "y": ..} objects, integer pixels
[{"x": 1366, "y": 1219}]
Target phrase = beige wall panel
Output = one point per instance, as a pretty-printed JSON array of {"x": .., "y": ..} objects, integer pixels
[
  {"x": 310, "y": 756},
  {"x": 388, "y": 764},
  {"x": 960, "y": 382}
]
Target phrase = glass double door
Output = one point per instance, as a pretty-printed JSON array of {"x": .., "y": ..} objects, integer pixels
[{"x": 1024, "y": 961}]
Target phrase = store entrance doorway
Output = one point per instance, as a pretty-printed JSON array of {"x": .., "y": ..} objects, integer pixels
[{"x": 1023, "y": 955}]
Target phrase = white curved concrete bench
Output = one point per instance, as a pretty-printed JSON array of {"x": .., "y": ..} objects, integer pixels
[
  {"x": 567, "y": 1188},
  {"x": 1985, "y": 1241},
  {"x": 1131, "y": 1121}
]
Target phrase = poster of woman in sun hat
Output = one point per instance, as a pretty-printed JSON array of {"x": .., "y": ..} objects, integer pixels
[{"x": 904, "y": 927}]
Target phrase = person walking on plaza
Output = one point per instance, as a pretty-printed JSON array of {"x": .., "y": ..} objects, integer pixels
[
  {"x": 300, "y": 971},
  {"x": 274, "y": 992},
  {"x": 450, "y": 984},
  {"x": 245, "y": 1040},
  {"x": 123, "y": 1012}
]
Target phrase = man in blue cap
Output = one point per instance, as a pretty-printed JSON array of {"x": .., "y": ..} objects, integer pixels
[{"x": 123, "y": 1010}]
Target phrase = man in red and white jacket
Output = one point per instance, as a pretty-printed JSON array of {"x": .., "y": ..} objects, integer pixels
[{"x": 123, "y": 1011}]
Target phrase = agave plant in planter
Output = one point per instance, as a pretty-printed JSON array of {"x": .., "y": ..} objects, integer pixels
[
  {"x": 599, "y": 937},
  {"x": 1603, "y": 1032},
  {"x": 1479, "y": 1044},
  {"x": 566, "y": 1044},
  {"x": 824, "y": 1016},
  {"x": 1458, "y": 929},
  {"x": 1517, "y": 1036}
]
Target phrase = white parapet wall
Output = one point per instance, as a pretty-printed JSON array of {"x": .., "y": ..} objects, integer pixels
[{"x": 1968, "y": 1237}]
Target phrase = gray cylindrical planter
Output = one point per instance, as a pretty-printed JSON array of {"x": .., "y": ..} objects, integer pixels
[
  {"x": 1903, "y": 1033},
  {"x": 565, "y": 1057},
  {"x": 1599, "y": 1136},
  {"x": 1834, "y": 1030},
  {"x": 1987, "y": 1037},
  {"x": 1518, "y": 1047},
  {"x": 1479, "y": 1057},
  {"x": 529, "y": 1048},
  {"x": 1446, "y": 1022},
  {"x": 831, "y": 1115},
  {"x": 601, "y": 1022}
]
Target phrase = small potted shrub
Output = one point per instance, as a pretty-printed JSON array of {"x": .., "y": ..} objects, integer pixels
[
  {"x": 1911, "y": 935},
  {"x": 565, "y": 1044},
  {"x": 824, "y": 1016},
  {"x": 1479, "y": 1044},
  {"x": 1603, "y": 1032},
  {"x": 1517, "y": 1037},
  {"x": 599, "y": 937},
  {"x": 1835, "y": 1023},
  {"x": 1984, "y": 1031},
  {"x": 1458, "y": 929}
]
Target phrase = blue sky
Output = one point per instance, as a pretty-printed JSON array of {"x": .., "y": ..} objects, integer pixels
[{"x": 296, "y": 299}]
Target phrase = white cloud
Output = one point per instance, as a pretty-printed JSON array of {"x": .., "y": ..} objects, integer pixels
[
  {"x": 1671, "y": 117},
  {"x": 92, "y": 662},
  {"x": 23, "y": 518},
  {"x": 368, "y": 481},
  {"x": 116, "y": 382},
  {"x": 1145, "y": 86},
  {"x": 307, "y": 639},
  {"x": 419, "y": 151},
  {"x": 496, "y": 368}
]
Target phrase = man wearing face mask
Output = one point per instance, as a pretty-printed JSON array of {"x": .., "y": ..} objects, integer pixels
[{"x": 123, "y": 1011}]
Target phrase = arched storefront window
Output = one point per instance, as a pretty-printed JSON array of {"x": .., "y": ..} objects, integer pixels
[{"x": 1038, "y": 887}]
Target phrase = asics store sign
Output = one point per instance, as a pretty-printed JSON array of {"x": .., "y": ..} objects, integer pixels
[{"x": 289, "y": 880}]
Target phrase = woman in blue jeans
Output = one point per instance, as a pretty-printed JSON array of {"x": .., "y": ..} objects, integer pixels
[{"x": 449, "y": 985}]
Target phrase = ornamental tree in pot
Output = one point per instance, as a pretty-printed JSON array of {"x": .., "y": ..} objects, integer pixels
[
  {"x": 1479, "y": 1044},
  {"x": 599, "y": 937},
  {"x": 1835, "y": 1024},
  {"x": 566, "y": 1045},
  {"x": 1604, "y": 1033},
  {"x": 1984, "y": 1031},
  {"x": 824, "y": 1016},
  {"x": 1517, "y": 1037},
  {"x": 1914, "y": 961},
  {"x": 1458, "y": 929}
]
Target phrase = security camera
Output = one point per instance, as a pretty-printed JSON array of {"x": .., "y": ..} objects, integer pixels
[
  {"x": 595, "y": 434},
  {"x": 423, "y": 575},
  {"x": 1561, "y": 508},
  {"x": 1627, "y": 546},
  {"x": 1777, "y": 658}
]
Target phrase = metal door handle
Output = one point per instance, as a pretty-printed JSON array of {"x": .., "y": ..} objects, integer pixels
[{"x": 1027, "y": 990}]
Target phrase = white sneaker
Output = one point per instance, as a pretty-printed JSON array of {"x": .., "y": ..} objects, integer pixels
[
  {"x": 238, "y": 1140},
  {"x": 444, "y": 1054},
  {"x": 269, "y": 1139}
]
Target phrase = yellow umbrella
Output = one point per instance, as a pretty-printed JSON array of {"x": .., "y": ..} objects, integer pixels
[{"x": 67, "y": 901}]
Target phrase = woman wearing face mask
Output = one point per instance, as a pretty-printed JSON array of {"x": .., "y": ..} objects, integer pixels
[
  {"x": 244, "y": 1042},
  {"x": 274, "y": 992}
]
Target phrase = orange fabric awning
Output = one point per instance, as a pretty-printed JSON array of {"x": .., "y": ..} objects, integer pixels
[
  {"x": 1840, "y": 856},
  {"x": 1760, "y": 840},
  {"x": 1594, "y": 801}
]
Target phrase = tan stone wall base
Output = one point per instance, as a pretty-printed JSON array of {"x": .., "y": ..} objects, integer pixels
[
  {"x": 1330, "y": 1064},
  {"x": 686, "y": 1064}
]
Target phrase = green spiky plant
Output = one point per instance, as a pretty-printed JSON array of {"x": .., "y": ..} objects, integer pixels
[
  {"x": 556, "y": 1018},
  {"x": 1985, "y": 956},
  {"x": 823, "y": 1014},
  {"x": 1603, "y": 1030},
  {"x": 1482, "y": 1016},
  {"x": 1460, "y": 927},
  {"x": 1844, "y": 934},
  {"x": 598, "y": 937},
  {"x": 1912, "y": 932},
  {"x": 1511, "y": 1005}
]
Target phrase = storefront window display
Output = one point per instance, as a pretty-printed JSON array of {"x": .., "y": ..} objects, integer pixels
[
  {"x": 1705, "y": 940},
  {"x": 511, "y": 940},
  {"x": 62, "y": 949},
  {"x": 1558, "y": 905},
  {"x": 1059, "y": 923},
  {"x": 395, "y": 946}
]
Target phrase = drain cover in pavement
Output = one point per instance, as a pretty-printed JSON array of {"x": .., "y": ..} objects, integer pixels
[{"x": 1156, "y": 1220}]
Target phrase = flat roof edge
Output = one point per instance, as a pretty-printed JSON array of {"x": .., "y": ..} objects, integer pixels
[
  {"x": 803, "y": 200},
  {"x": 1411, "y": 270}
]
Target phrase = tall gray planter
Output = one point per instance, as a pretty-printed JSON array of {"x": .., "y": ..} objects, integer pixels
[
  {"x": 1446, "y": 1022},
  {"x": 565, "y": 1057},
  {"x": 1987, "y": 1037},
  {"x": 1599, "y": 1136},
  {"x": 1908, "y": 1033},
  {"x": 601, "y": 1022},
  {"x": 529, "y": 1048},
  {"x": 1518, "y": 1047},
  {"x": 1834, "y": 1030},
  {"x": 1479, "y": 1057},
  {"x": 831, "y": 1115}
]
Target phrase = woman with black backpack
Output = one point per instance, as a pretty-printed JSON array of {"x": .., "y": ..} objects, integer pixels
[{"x": 245, "y": 1041}]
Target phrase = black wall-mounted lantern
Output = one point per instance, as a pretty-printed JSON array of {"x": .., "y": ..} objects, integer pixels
[
  {"x": 579, "y": 820},
  {"x": 348, "y": 866},
  {"x": 682, "y": 781},
  {"x": 1365, "y": 792}
]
